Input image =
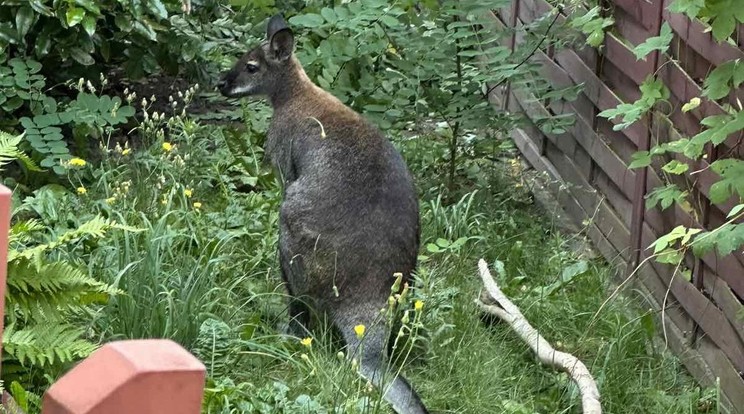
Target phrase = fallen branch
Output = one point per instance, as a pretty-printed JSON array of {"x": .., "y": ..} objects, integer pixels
[{"x": 507, "y": 311}]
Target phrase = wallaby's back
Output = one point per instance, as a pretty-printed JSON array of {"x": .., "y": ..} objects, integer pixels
[{"x": 349, "y": 218}]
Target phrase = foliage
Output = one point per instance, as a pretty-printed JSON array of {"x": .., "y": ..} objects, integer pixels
[
  {"x": 399, "y": 65},
  {"x": 717, "y": 128},
  {"x": 143, "y": 35},
  {"x": 9, "y": 152},
  {"x": 201, "y": 266},
  {"x": 44, "y": 294}
]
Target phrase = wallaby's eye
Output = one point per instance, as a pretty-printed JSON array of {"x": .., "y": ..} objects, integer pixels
[{"x": 251, "y": 67}]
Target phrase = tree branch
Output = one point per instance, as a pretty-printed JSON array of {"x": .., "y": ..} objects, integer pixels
[{"x": 507, "y": 311}]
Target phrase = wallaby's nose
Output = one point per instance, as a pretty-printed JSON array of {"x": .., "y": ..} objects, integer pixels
[{"x": 221, "y": 83}]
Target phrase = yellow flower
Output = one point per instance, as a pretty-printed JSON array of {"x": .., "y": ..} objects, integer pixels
[
  {"x": 167, "y": 147},
  {"x": 188, "y": 192},
  {"x": 197, "y": 205},
  {"x": 418, "y": 305},
  {"x": 126, "y": 151},
  {"x": 82, "y": 190},
  {"x": 77, "y": 162},
  {"x": 359, "y": 330},
  {"x": 308, "y": 342},
  {"x": 110, "y": 200}
]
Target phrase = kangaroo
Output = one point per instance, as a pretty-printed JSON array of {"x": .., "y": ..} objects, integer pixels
[{"x": 349, "y": 218}]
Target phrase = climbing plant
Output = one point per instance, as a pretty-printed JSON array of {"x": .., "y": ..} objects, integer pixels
[{"x": 722, "y": 17}]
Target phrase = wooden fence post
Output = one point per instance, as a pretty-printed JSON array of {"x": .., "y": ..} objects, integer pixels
[
  {"x": 639, "y": 195},
  {"x": 153, "y": 376},
  {"x": 5, "y": 195}
]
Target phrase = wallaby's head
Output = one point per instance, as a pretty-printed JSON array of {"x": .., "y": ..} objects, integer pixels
[{"x": 263, "y": 70}]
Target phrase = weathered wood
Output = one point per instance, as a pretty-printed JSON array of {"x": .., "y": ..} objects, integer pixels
[
  {"x": 703, "y": 311},
  {"x": 694, "y": 34},
  {"x": 590, "y": 161},
  {"x": 594, "y": 89},
  {"x": 622, "y": 57},
  {"x": 644, "y": 12}
]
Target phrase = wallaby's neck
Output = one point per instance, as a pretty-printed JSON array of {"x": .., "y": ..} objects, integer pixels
[{"x": 295, "y": 88}]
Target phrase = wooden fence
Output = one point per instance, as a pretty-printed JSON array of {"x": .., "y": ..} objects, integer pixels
[{"x": 588, "y": 165}]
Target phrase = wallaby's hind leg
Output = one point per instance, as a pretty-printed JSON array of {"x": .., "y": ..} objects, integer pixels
[
  {"x": 370, "y": 351},
  {"x": 299, "y": 317}
]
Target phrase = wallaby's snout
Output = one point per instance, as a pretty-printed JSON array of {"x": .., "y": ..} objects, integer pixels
[{"x": 263, "y": 70}]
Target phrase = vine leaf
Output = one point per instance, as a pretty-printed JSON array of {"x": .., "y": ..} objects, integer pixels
[
  {"x": 723, "y": 78},
  {"x": 731, "y": 172},
  {"x": 660, "y": 43}
]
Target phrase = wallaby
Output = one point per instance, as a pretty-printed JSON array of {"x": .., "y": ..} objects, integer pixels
[{"x": 349, "y": 217}]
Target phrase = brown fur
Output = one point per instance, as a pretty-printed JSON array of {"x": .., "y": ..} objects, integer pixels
[{"x": 349, "y": 218}]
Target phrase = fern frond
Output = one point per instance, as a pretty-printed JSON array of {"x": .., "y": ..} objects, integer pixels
[
  {"x": 9, "y": 152},
  {"x": 46, "y": 292},
  {"x": 95, "y": 228},
  {"x": 22, "y": 231},
  {"x": 47, "y": 344}
]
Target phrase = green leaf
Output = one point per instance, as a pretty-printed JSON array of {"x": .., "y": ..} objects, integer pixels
[
  {"x": 732, "y": 180},
  {"x": 89, "y": 24},
  {"x": 24, "y": 19},
  {"x": 689, "y": 106},
  {"x": 640, "y": 159},
  {"x": 158, "y": 9},
  {"x": 660, "y": 43},
  {"x": 81, "y": 56},
  {"x": 689, "y": 7},
  {"x": 722, "y": 79},
  {"x": 307, "y": 20},
  {"x": 723, "y": 26},
  {"x": 8, "y": 33},
  {"x": 389, "y": 20},
  {"x": 329, "y": 15},
  {"x": 74, "y": 16},
  {"x": 666, "y": 196},
  {"x": 675, "y": 167},
  {"x": 734, "y": 211}
]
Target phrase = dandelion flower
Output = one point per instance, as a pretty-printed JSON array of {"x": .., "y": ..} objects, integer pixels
[
  {"x": 77, "y": 162},
  {"x": 197, "y": 205},
  {"x": 418, "y": 305},
  {"x": 82, "y": 190},
  {"x": 188, "y": 192},
  {"x": 167, "y": 147},
  {"x": 126, "y": 151},
  {"x": 308, "y": 342},
  {"x": 359, "y": 330}
]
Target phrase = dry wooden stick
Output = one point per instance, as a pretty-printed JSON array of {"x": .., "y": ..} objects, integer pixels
[{"x": 507, "y": 311}]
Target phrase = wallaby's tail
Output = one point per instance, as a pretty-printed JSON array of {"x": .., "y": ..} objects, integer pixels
[{"x": 370, "y": 351}]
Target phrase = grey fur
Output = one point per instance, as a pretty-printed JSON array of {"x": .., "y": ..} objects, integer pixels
[{"x": 349, "y": 218}]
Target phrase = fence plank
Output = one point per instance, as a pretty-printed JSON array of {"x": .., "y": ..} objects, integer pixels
[
  {"x": 595, "y": 89},
  {"x": 643, "y": 12},
  {"x": 702, "y": 311},
  {"x": 694, "y": 34}
]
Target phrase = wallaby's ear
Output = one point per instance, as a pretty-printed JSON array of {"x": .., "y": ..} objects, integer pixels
[{"x": 281, "y": 38}]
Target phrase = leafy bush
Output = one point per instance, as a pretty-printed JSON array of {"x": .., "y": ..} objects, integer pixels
[{"x": 45, "y": 294}]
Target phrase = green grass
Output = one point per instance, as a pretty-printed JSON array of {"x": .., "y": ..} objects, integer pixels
[
  {"x": 207, "y": 277},
  {"x": 463, "y": 362}
]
